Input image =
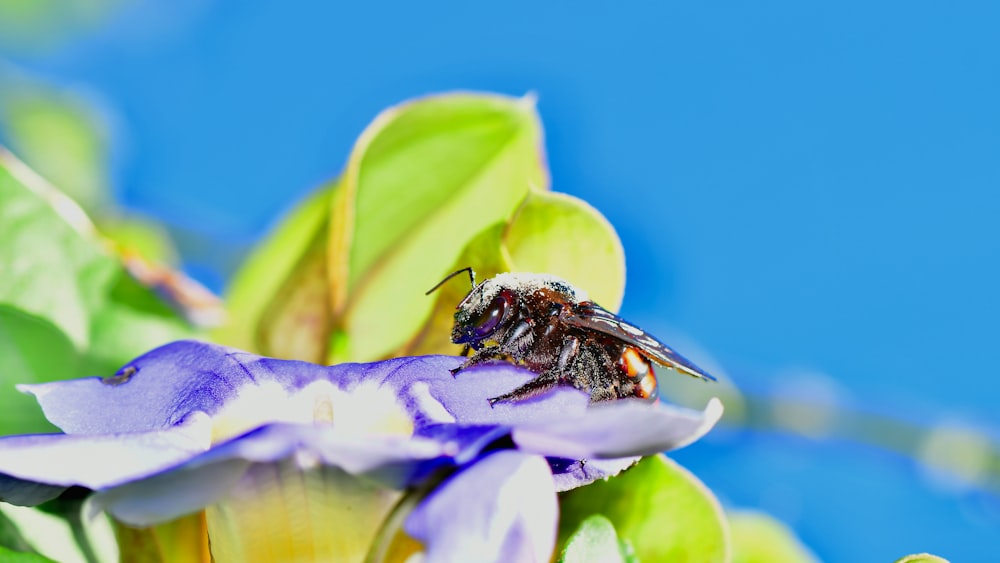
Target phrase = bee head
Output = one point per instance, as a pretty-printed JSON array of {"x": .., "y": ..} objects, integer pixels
[{"x": 484, "y": 313}]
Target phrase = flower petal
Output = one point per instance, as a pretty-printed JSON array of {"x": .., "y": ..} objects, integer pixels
[
  {"x": 570, "y": 474},
  {"x": 467, "y": 395},
  {"x": 503, "y": 508},
  {"x": 161, "y": 388},
  {"x": 618, "y": 429},
  {"x": 168, "y": 495},
  {"x": 98, "y": 462}
]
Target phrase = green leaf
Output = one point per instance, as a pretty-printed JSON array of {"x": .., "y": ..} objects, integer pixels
[
  {"x": 11, "y": 538},
  {"x": 68, "y": 540},
  {"x": 759, "y": 538},
  {"x": 265, "y": 282},
  {"x": 50, "y": 256},
  {"x": 922, "y": 558},
  {"x": 423, "y": 180},
  {"x": 595, "y": 541},
  {"x": 68, "y": 306},
  {"x": 60, "y": 136},
  {"x": 559, "y": 234},
  {"x": 10, "y": 556},
  {"x": 31, "y": 349},
  {"x": 662, "y": 510}
]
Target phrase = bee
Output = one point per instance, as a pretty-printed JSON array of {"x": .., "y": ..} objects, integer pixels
[{"x": 543, "y": 323}]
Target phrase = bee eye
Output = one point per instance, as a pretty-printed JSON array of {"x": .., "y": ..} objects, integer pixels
[{"x": 488, "y": 321}]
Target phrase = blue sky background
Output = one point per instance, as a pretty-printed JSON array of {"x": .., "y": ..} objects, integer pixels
[{"x": 807, "y": 192}]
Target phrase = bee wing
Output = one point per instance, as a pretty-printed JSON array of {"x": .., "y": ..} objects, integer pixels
[{"x": 591, "y": 316}]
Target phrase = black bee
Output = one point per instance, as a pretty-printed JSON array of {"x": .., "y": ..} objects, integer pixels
[{"x": 545, "y": 324}]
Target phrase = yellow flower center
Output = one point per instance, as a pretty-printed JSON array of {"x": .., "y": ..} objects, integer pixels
[{"x": 365, "y": 409}]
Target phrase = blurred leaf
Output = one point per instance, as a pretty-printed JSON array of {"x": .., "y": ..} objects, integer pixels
[
  {"x": 11, "y": 538},
  {"x": 55, "y": 537},
  {"x": 662, "y": 510},
  {"x": 423, "y": 180},
  {"x": 143, "y": 237},
  {"x": 759, "y": 538},
  {"x": 183, "y": 539},
  {"x": 922, "y": 558},
  {"x": 298, "y": 322},
  {"x": 39, "y": 24},
  {"x": 559, "y": 234},
  {"x": 51, "y": 256},
  {"x": 595, "y": 541},
  {"x": 60, "y": 137},
  {"x": 10, "y": 556},
  {"x": 68, "y": 303},
  {"x": 265, "y": 279},
  {"x": 31, "y": 349}
]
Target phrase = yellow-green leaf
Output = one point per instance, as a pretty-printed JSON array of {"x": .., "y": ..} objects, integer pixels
[
  {"x": 264, "y": 280},
  {"x": 63, "y": 139},
  {"x": 759, "y": 538},
  {"x": 559, "y": 234},
  {"x": 922, "y": 558},
  {"x": 424, "y": 179},
  {"x": 660, "y": 508},
  {"x": 595, "y": 541}
]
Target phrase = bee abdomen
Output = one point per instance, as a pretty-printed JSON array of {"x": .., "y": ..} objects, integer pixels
[{"x": 639, "y": 371}]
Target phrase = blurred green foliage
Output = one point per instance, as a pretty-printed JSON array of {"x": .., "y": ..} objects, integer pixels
[
  {"x": 60, "y": 136},
  {"x": 68, "y": 305},
  {"x": 34, "y": 25},
  {"x": 759, "y": 538}
]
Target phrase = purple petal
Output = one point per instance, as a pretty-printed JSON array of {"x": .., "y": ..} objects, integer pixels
[
  {"x": 503, "y": 508},
  {"x": 618, "y": 429},
  {"x": 161, "y": 388},
  {"x": 464, "y": 443},
  {"x": 466, "y": 396},
  {"x": 169, "y": 495},
  {"x": 570, "y": 474},
  {"x": 98, "y": 462},
  {"x": 164, "y": 386},
  {"x": 206, "y": 478}
]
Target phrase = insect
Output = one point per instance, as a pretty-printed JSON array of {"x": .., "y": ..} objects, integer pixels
[{"x": 545, "y": 324}]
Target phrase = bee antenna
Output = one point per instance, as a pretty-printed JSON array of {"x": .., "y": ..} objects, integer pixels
[{"x": 472, "y": 278}]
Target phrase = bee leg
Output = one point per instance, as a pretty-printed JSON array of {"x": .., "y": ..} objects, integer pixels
[
  {"x": 568, "y": 352},
  {"x": 536, "y": 386},
  {"x": 547, "y": 380},
  {"x": 517, "y": 334},
  {"x": 465, "y": 350},
  {"x": 479, "y": 357}
]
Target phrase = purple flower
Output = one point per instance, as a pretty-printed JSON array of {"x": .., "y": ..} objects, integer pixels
[{"x": 325, "y": 459}]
